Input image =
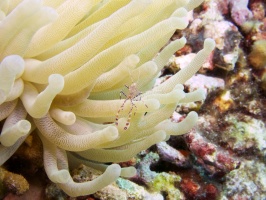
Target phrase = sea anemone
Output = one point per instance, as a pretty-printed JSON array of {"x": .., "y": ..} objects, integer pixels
[{"x": 64, "y": 64}]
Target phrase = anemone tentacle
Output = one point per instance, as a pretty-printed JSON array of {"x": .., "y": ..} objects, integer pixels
[{"x": 63, "y": 66}]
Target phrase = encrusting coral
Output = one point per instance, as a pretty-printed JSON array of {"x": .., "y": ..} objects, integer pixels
[{"x": 63, "y": 66}]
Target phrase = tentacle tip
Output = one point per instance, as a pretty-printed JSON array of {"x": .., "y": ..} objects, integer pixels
[
  {"x": 193, "y": 114},
  {"x": 181, "y": 12},
  {"x": 15, "y": 63},
  {"x": 128, "y": 172},
  {"x": 209, "y": 44},
  {"x": 70, "y": 118},
  {"x": 112, "y": 133},
  {"x": 57, "y": 81},
  {"x": 134, "y": 60},
  {"x": 179, "y": 23},
  {"x": 132, "y": 172},
  {"x": 25, "y": 126},
  {"x": 114, "y": 168},
  {"x": 183, "y": 40},
  {"x": 202, "y": 94},
  {"x": 51, "y": 13}
]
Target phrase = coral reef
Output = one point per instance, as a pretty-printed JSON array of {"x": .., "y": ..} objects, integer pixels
[
  {"x": 257, "y": 58},
  {"x": 157, "y": 182},
  {"x": 12, "y": 182},
  {"x": 239, "y": 10},
  {"x": 63, "y": 66},
  {"x": 215, "y": 161},
  {"x": 137, "y": 192},
  {"x": 247, "y": 182},
  {"x": 224, "y": 156}
]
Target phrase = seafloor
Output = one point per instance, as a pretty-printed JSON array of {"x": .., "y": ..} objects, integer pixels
[{"x": 224, "y": 156}]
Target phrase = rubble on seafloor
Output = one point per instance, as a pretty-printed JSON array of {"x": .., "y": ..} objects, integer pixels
[{"x": 224, "y": 157}]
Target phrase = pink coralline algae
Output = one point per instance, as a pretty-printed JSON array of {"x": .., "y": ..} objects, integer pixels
[
  {"x": 213, "y": 159},
  {"x": 239, "y": 11},
  {"x": 193, "y": 190},
  {"x": 190, "y": 187},
  {"x": 172, "y": 155}
]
